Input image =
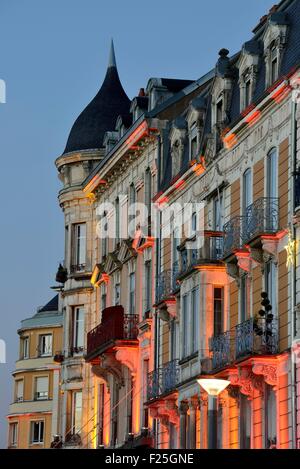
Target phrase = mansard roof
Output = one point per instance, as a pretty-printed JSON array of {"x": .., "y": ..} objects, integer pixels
[{"x": 46, "y": 316}]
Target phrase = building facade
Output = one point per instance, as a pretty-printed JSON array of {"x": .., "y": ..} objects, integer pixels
[
  {"x": 33, "y": 417},
  {"x": 181, "y": 261}
]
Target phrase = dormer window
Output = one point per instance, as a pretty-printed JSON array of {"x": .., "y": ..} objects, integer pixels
[
  {"x": 247, "y": 92},
  {"x": 193, "y": 142},
  {"x": 219, "y": 111},
  {"x": 274, "y": 40},
  {"x": 274, "y": 63}
]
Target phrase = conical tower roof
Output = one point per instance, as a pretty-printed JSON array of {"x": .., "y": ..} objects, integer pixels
[{"x": 101, "y": 113}]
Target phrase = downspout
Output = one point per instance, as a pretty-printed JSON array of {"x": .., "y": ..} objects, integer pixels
[{"x": 293, "y": 270}]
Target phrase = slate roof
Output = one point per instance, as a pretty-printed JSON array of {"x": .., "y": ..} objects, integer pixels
[
  {"x": 47, "y": 315},
  {"x": 101, "y": 113}
]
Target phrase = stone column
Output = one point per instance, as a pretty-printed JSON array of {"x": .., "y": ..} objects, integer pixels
[
  {"x": 182, "y": 422},
  {"x": 193, "y": 405}
]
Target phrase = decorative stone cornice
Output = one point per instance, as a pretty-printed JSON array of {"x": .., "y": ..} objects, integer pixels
[{"x": 244, "y": 261}]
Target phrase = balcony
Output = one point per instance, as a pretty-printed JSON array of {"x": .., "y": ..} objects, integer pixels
[
  {"x": 256, "y": 336},
  {"x": 233, "y": 238},
  {"x": 166, "y": 283},
  {"x": 220, "y": 346},
  {"x": 210, "y": 252},
  {"x": 115, "y": 328},
  {"x": 262, "y": 217},
  {"x": 163, "y": 380}
]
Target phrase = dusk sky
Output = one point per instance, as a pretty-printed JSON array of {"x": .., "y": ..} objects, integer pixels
[{"x": 53, "y": 58}]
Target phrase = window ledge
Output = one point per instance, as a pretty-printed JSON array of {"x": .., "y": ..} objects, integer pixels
[{"x": 188, "y": 358}]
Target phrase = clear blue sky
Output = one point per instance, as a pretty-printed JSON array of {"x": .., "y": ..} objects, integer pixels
[{"x": 53, "y": 56}]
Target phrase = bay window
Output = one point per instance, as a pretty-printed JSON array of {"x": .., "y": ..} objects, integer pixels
[
  {"x": 79, "y": 243},
  {"x": 78, "y": 329},
  {"x": 45, "y": 345},
  {"x": 37, "y": 431},
  {"x": 41, "y": 388}
]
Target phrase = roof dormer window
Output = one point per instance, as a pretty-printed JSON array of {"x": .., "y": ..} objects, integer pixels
[
  {"x": 274, "y": 40},
  {"x": 274, "y": 63},
  {"x": 219, "y": 111}
]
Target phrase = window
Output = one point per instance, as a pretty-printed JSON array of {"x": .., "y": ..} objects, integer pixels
[
  {"x": 13, "y": 434},
  {"x": 173, "y": 333},
  {"x": 272, "y": 179},
  {"x": 148, "y": 285},
  {"x": 245, "y": 422},
  {"x": 37, "y": 431},
  {"x": 194, "y": 223},
  {"x": 132, "y": 293},
  {"x": 270, "y": 417},
  {"x": 104, "y": 240},
  {"x": 195, "y": 320},
  {"x": 218, "y": 213},
  {"x": 19, "y": 390},
  {"x": 79, "y": 246},
  {"x": 219, "y": 111},
  {"x": 218, "y": 310},
  {"x": 271, "y": 284},
  {"x": 193, "y": 142},
  {"x": 244, "y": 298},
  {"x": 148, "y": 199},
  {"x": 247, "y": 190},
  {"x": 41, "y": 388},
  {"x": 25, "y": 348},
  {"x": 273, "y": 63},
  {"x": 103, "y": 297},
  {"x": 117, "y": 220},
  {"x": 76, "y": 413},
  {"x": 185, "y": 325},
  {"x": 78, "y": 329},
  {"x": 117, "y": 292},
  {"x": 247, "y": 92},
  {"x": 45, "y": 345}
]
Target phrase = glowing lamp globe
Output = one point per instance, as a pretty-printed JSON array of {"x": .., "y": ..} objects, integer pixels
[{"x": 213, "y": 387}]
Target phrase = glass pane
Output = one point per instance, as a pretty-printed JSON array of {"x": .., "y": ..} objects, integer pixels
[
  {"x": 79, "y": 327},
  {"x": 77, "y": 411}
]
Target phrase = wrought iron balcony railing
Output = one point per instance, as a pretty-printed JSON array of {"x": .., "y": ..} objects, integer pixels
[
  {"x": 233, "y": 235},
  {"x": 256, "y": 336},
  {"x": 166, "y": 283},
  {"x": 210, "y": 251},
  {"x": 115, "y": 325},
  {"x": 261, "y": 217},
  {"x": 220, "y": 346},
  {"x": 163, "y": 380}
]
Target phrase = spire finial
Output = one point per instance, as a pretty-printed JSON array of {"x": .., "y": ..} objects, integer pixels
[{"x": 112, "y": 57}]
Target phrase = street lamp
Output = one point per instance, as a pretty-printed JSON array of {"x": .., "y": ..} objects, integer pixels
[{"x": 213, "y": 387}]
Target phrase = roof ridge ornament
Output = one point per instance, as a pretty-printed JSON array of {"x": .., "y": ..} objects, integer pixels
[{"x": 112, "y": 57}]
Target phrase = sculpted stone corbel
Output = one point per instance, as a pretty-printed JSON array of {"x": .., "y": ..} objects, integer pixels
[{"x": 244, "y": 261}]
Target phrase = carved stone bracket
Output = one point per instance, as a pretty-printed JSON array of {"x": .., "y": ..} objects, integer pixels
[
  {"x": 128, "y": 356},
  {"x": 168, "y": 310},
  {"x": 233, "y": 271},
  {"x": 244, "y": 261},
  {"x": 256, "y": 255},
  {"x": 268, "y": 371},
  {"x": 113, "y": 366},
  {"x": 166, "y": 411},
  {"x": 270, "y": 247},
  {"x": 246, "y": 380}
]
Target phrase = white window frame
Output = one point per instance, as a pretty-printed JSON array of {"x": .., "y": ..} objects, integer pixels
[
  {"x": 195, "y": 311},
  {"x": 77, "y": 310},
  {"x": 74, "y": 423},
  {"x": 13, "y": 434},
  {"x": 19, "y": 398},
  {"x": 131, "y": 293},
  {"x": 25, "y": 348},
  {"x": 41, "y": 431},
  {"x": 79, "y": 252},
  {"x": 44, "y": 395},
  {"x": 185, "y": 326},
  {"x": 48, "y": 349}
]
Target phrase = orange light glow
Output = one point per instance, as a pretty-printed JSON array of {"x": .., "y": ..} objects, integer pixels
[
  {"x": 198, "y": 168},
  {"x": 179, "y": 184},
  {"x": 137, "y": 134},
  {"x": 280, "y": 94},
  {"x": 252, "y": 118},
  {"x": 230, "y": 141},
  {"x": 96, "y": 180},
  {"x": 162, "y": 201}
]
